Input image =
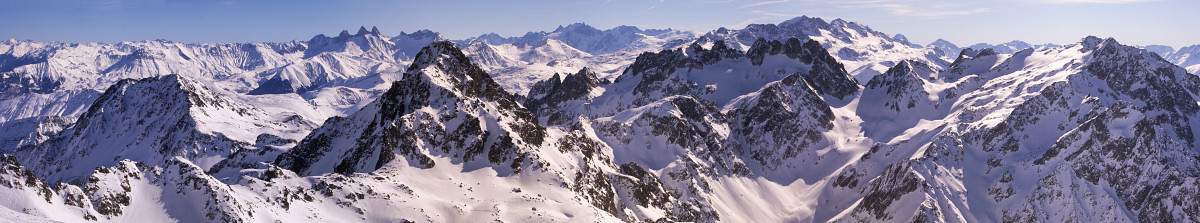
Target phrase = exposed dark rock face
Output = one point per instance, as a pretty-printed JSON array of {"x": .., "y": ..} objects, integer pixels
[
  {"x": 657, "y": 70},
  {"x": 828, "y": 76},
  {"x": 645, "y": 189},
  {"x": 548, "y": 96},
  {"x": 1093, "y": 132},
  {"x": 896, "y": 181},
  {"x": 904, "y": 88},
  {"x": 166, "y": 109},
  {"x": 396, "y": 126},
  {"x": 778, "y": 124},
  {"x": 1113, "y": 141}
]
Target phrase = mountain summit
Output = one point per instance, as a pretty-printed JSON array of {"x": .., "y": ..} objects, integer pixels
[
  {"x": 807, "y": 120},
  {"x": 864, "y": 51}
]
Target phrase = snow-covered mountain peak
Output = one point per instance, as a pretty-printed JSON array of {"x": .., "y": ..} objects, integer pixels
[
  {"x": 414, "y": 114},
  {"x": 590, "y": 39},
  {"x": 908, "y": 75},
  {"x": 444, "y": 64},
  {"x": 423, "y": 34},
  {"x": 945, "y": 47},
  {"x": 364, "y": 42},
  {"x": 578, "y": 28},
  {"x": 718, "y": 51},
  {"x": 1161, "y": 50},
  {"x": 442, "y": 54},
  {"x": 1018, "y": 44},
  {"x": 941, "y": 41},
  {"x": 635, "y": 29},
  {"x": 342, "y": 59},
  {"x": 980, "y": 53},
  {"x": 914, "y": 67},
  {"x": 1093, "y": 42},
  {"x": 828, "y": 76},
  {"x": 179, "y": 117},
  {"x": 1187, "y": 57},
  {"x": 553, "y": 91},
  {"x": 362, "y": 30},
  {"x": 728, "y": 128},
  {"x": 851, "y": 26},
  {"x": 904, "y": 39},
  {"x": 864, "y": 51},
  {"x": 487, "y": 55},
  {"x": 408, "y": 44},
  {"x": 805, "y": 21}
]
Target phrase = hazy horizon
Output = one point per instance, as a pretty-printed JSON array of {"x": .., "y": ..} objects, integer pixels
[{"x": 965, "y": 23}]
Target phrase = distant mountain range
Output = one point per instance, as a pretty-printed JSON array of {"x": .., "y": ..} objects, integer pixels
[
  {"x": 807, "y": 120},
  {"x": 1188, "y": 57}
]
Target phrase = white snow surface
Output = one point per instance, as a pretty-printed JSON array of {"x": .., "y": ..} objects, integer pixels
[{"x": 159, "y": 131}]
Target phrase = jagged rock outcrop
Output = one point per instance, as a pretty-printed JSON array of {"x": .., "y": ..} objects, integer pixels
[
  {"x": 777, "y": 128},
  {"x": 700, "y": 132},
  {"x": 865, "y": 52},
  {"x": 827, "y": 76},
  {"x": 343, "y": 58},
  {"x": 547, "y": 97},
  {"x": 148, "y": 120},
  {"x": 470, "y": 118},
  {"x": 1106, "y": 130}
]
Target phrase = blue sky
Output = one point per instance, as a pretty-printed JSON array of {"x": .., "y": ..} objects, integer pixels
[{"x": 964, "y": 22}]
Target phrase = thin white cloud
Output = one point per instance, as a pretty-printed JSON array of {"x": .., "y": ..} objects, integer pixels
[{"x": 656, "y": 5}]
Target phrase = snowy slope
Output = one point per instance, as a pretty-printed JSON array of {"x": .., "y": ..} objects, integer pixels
[
  {"x": 772, "y": 123},
  {"x": 1068, "y": 109},
  {"x": 343, "y": 58},
  {"x": 589, "y": 39},
  {"x": 865, "y": 52},
  {"x": 1161, "y": 50},
  {"x": 182, "y": 117},
  {"x": 946, "y": 47},
  {"x": 316, "y": 79},
  {"x": 518, "y": 62},
  {"x": 1187, "y": 57},
  {"x": 442, "y": 77},
  {"x": 1011, "y": 46}
]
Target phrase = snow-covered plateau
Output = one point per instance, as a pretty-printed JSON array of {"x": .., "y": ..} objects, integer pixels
[{"x": 802, "y": 121}]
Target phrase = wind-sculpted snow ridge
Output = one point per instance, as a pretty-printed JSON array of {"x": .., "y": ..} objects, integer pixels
[
  {"x": 37, "y": 67},
  {"x": 865, "y": 52},
  {"x": 946, "y": 47},
  {"x": 1187, "y": 57},
  {"x": 1012, "y": 46},
  {"x": 473, "y": 114},
  {"x": 64, "y": 70},
  {"x": 586, "y": 38},
  {"x": 298, "y": 82},
  {"x": 1094, "y": 130},
  {"x": 519, "y": 62},
  {"x": 768, "y": 129},
  {"x": 151, "y": 120},
  {"x": 343, "y": 58}
]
